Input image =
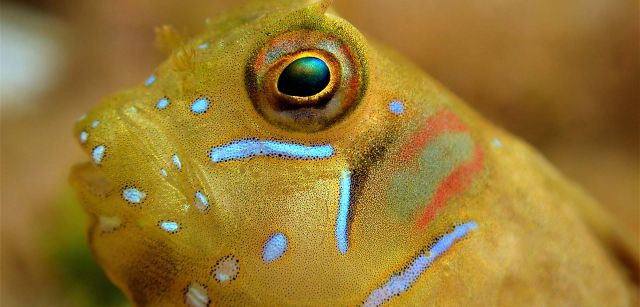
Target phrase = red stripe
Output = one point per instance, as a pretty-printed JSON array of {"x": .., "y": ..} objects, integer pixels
[
  {"x": 444, "y": 120},
  {"x": 455, "y": 183}
]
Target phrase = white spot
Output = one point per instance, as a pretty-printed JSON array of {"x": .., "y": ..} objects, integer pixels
[
  {"x": 204, "y": 46},
  {"x": 95, "y": 123},
  {"x": 201, "y": 202},
  {"x": 82, "y": 117},
  {"x": 226, "y": 269},
  {"x": 197, "y": 296},
  {"x": 84, "y": 136},
  {"x": 98, "y": 153},
  {"x": 496, "y": 143},
  {"x": 133, "y": 195},
  {"x": 163, "y": 172},
  {"x": 176, "y": 161},
  {"x": 274, "y": 248},
  {"x": 170, "y": 226}
]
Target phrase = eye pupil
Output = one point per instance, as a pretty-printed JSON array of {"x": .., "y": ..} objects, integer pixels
[{"x": 304, "y": 77}]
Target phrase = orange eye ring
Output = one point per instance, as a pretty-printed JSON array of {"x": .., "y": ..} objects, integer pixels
[{"x": 305, "y": 113}]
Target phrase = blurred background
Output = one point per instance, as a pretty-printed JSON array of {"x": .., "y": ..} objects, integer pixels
[{"x": 564, "y": 75}]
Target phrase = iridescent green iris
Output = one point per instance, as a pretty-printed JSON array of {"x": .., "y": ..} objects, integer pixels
[{"x": 304, "y": 77}]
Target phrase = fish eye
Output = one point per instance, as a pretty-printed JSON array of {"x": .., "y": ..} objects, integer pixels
[
  {"x": 305, "y": 80},
  {"x": 304, "y": 77}
]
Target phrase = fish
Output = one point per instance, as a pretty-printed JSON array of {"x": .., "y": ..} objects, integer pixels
[{"x": 283, "y": 158}]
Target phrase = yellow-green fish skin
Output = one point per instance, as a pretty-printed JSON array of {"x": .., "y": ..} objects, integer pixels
[{"x": 180, "y": 217}]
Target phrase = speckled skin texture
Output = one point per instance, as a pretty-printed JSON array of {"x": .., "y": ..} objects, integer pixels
[{"x": 415, "y": 174}]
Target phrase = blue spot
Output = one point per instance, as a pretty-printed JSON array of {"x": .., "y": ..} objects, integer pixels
[
  {"x": 396, "y": 107},
  {"x": 163, "y": 172},
  {"x": 163, "y": 103},
  {"x": 496, "y": 143},
  {"x": 133, "y": 195},
  {"x": 95, "y": 123},
  {"x": 247, "y": 148},
  {"x": 400, "y": 282},
  {"x": 170, "y": 226},
  {"x": 201, "y": 201},
  {"x": 150, "y": 80},
  {"x": 98, "y": 153},
  {"x": 204, "y": 46},
  {"x": 343, "y": 212},
  {"x": 176, "y": 161},
  {"x": 200, "y": 105},
  {"x": 274, "y": 248},
  {"x": 84, "y": 136}
]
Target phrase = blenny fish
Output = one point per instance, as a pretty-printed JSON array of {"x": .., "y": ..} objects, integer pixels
[{"x": 281, "y": 158}]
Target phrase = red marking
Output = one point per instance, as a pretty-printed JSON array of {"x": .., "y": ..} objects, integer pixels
[
  {"x": 260, "y": 61},
  {"x": 444, "y": 120},
  {"x": 455, "y": 183}
]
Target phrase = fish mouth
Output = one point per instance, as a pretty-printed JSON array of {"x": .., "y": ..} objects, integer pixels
[
  {"x": 90, "y": 180},
  {"x": 402, "y": 280}
]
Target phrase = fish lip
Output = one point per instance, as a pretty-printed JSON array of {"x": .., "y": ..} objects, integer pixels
[{"x": 90, "y": 181}]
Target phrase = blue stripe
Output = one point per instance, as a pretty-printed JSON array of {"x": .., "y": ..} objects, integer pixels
[
  {"x": 247, "y": 148},
  {"x": 343, "y": 212},
  {"x": 402, "y": 281}
]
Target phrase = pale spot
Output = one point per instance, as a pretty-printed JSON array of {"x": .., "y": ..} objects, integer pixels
[
  {"x": 274, "y": 248},
  {"x": 201, "y": 202},
  {"x": 95, "y": 124},
  {"x": 84, "y": 136},
  {"x": 200, "y": 105},
  {"x": 163, "y": 172},
  {"x": 496, "y": 143},
  {"x": 133, "y": 195},
  {"x": 226, "y": 269},
  {"x": 196, "y": 296},
  {"x": 98, "y": 153},
  {"x": 176, "y": 161},
  {"x": 163, "y": 103},
  {"x": 150, "y": 80},
  {"x": 131, "y": 110},
  {"x": 170, "y": 226},
  {"x": 109, "y": 223}
]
